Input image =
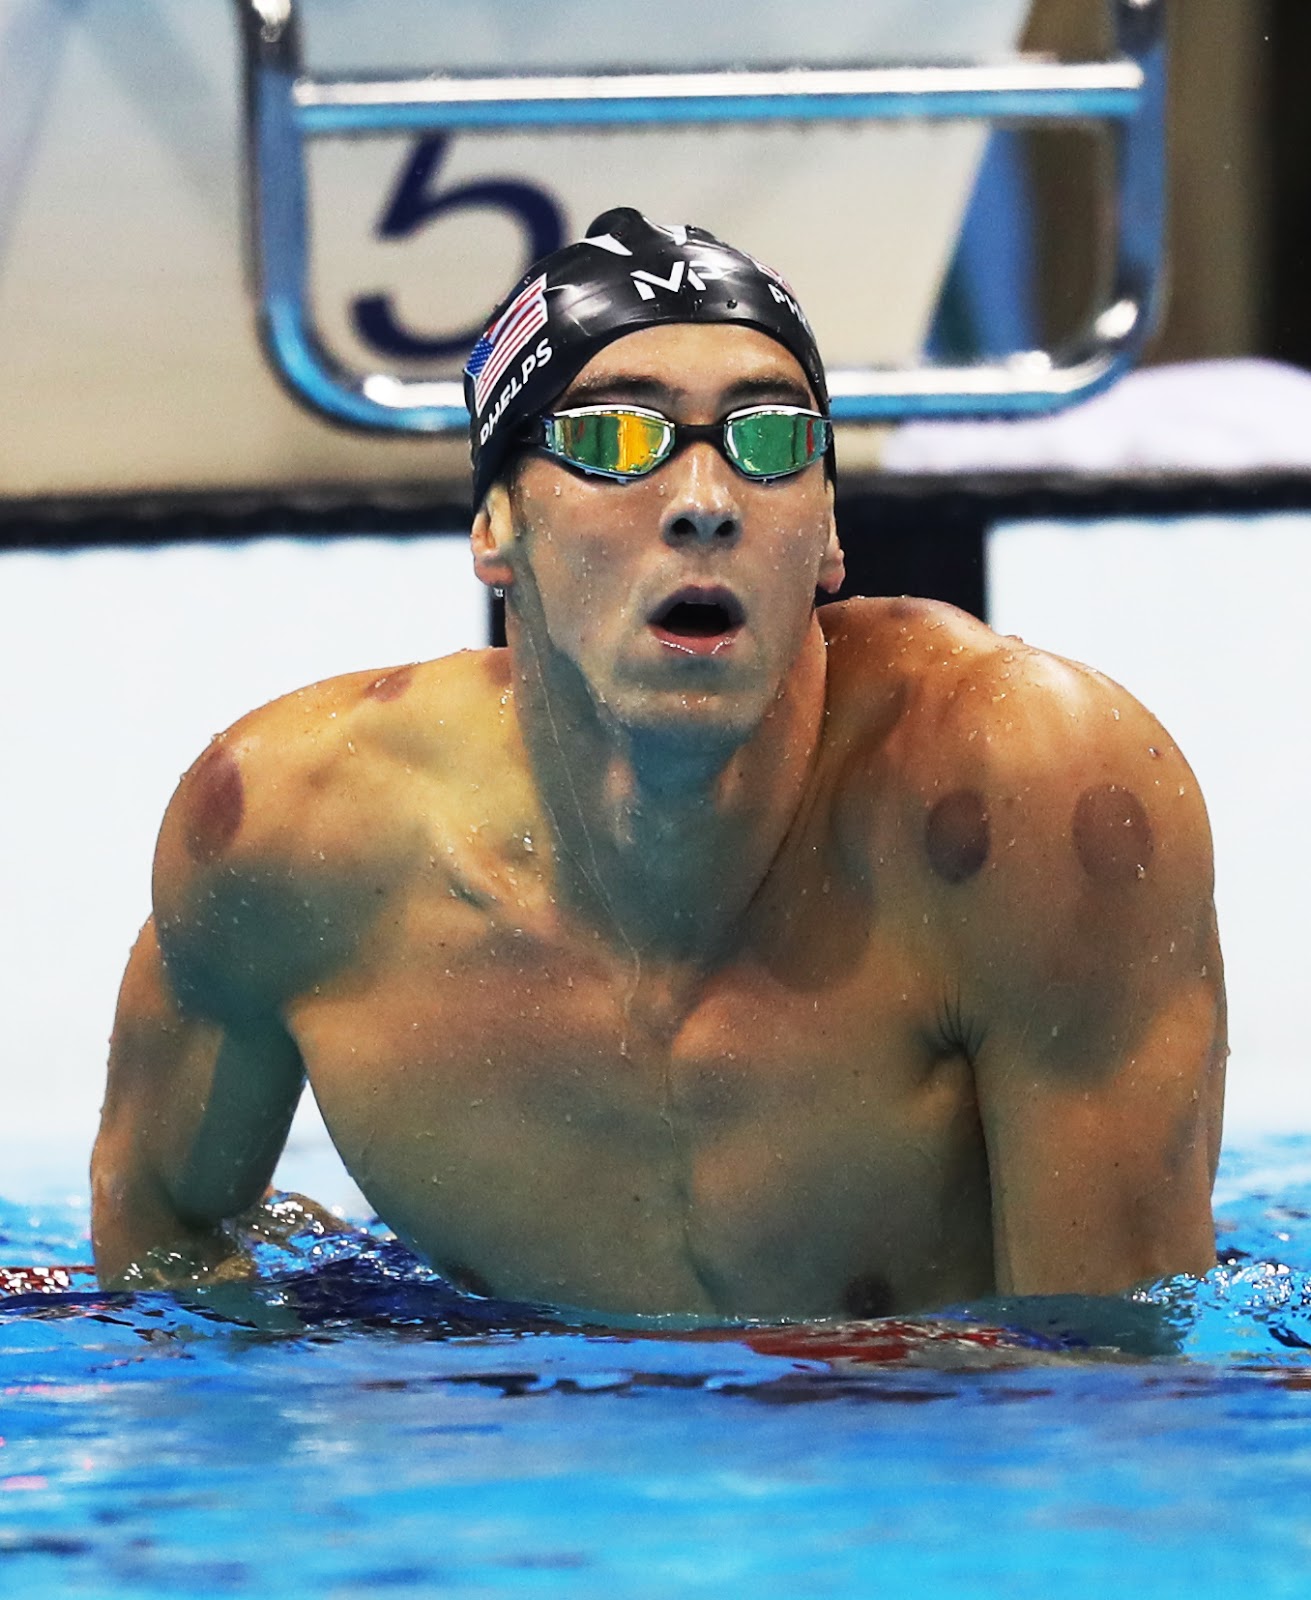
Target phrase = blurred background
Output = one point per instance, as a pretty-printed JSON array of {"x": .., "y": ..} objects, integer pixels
[
  {"x": 1237, "y": 178},
  {"x": 181, "y": 539}
]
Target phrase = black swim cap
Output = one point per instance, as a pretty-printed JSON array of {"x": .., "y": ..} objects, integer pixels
[{"x": 626, "y": 274}]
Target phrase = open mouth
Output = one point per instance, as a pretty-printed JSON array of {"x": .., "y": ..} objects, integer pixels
[{"x": 698, "y": 621}]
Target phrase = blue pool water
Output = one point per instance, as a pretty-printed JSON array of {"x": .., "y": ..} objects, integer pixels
[{"x": 356, "y": 1426}]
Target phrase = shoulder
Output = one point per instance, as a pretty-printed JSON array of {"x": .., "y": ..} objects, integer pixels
[
  {"x": 291, "y": 814},
  {"x": 1021, "y": 776},
  {"x": 290, "y": 764},
  {"x": 1046, "y": 849},
  {"x": 917, "y": 653}
]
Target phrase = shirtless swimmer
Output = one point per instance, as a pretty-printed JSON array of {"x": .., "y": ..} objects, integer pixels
[{"x": 700, "y": 953}]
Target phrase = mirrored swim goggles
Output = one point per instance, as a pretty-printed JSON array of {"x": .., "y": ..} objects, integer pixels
[{"x": 623, "y": 442}]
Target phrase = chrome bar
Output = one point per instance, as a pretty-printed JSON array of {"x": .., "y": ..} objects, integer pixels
[
  {"x": 284, "y": 109},
  {"x": 1023, "y": 89},
  {"x": 279, "y": 252}
]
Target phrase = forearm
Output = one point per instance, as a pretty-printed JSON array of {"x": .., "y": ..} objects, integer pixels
[
  {"x": 140, "y": 1236},
  {"x": 194, "y": 1120},
  {"x": 165, "y": 1188}
]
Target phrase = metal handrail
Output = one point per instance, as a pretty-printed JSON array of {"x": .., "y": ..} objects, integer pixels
[
  {"x": 1013, "y": 89},
  {"x": 285, "y": 109}
]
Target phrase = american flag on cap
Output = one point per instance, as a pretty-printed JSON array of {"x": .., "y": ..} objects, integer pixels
[{"x": 506, "y": 337}]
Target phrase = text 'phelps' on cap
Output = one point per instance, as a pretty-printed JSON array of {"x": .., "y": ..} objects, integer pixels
[{"x": 627, "y": 273}]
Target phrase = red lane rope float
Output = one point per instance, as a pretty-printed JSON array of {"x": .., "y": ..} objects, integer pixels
[
  {"x": 46, "y": 1280},
  {"x": 887, "y": 1340}
]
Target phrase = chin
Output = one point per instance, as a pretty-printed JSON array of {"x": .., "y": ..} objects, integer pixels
[{"x": 693, "y": 717}]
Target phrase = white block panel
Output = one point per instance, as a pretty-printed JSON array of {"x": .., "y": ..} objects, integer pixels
[{"x": 118, "y": 667}]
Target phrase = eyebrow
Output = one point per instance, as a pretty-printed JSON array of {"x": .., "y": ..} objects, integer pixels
[{"x": 779, "y": 387}]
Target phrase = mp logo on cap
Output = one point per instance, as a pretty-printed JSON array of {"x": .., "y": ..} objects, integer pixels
[{"x": 696, "y": 275}]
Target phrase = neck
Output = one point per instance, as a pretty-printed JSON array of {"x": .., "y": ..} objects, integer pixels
[{"x": 663, "y": 837}]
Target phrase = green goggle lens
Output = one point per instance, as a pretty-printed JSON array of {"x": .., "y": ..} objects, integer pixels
[
  {"x": 614, "y": 442},
  {"x": 771, "y": 444}
]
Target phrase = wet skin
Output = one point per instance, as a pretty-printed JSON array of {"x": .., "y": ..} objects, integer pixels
[{"x": 711, "y": 962}]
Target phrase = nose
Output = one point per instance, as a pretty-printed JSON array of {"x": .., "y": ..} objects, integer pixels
[{"x": 702, "y": 506}]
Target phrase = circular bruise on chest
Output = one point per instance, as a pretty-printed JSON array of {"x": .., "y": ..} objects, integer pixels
[
  {"x": 1112, "y": 834},
  {"x": 958, "y": 835},
  {"x": 215, "y": 805}
]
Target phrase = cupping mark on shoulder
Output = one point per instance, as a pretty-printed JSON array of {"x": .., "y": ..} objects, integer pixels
[
  {"x": 390, "y": 685},
  {"x": 1112, "y": 834},
  {"x": 958, "y": 835},
  {"x": 215, "y": 802}
]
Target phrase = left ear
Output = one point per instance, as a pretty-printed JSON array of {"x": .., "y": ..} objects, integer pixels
[{"x": 833, "y": 566}]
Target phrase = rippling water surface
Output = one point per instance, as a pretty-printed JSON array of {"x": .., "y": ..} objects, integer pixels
[{"x": 356, "y": 1425}]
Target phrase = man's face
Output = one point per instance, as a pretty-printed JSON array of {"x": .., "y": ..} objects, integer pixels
[{"x": 682, "y": 597}]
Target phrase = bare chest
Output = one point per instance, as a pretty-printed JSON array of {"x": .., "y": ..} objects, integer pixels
[{"x": 784, "y": 1136}]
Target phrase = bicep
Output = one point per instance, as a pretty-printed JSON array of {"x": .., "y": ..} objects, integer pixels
[{"x": 195, "y": 1115}]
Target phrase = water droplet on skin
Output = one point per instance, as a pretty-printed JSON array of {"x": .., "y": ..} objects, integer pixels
[
  {"x": 528, "y": 843},
  {"x": 1153, "y": 752},
  {"x": 1115, "y": 713}
]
